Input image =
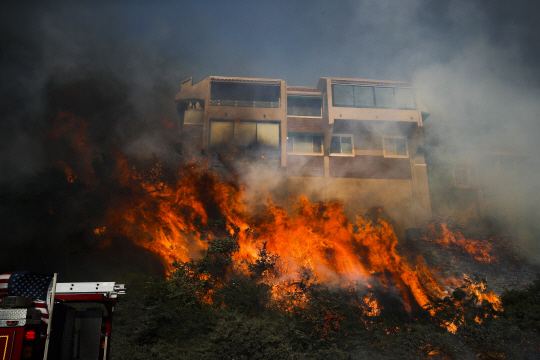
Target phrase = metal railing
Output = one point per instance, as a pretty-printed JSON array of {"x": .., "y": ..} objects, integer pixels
[{"x": 240, "y": 103}]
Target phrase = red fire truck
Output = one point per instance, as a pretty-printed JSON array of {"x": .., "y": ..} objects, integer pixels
[{"x": 79, "y": 324}]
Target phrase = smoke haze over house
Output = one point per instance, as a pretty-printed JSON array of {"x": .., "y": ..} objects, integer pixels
[{"x": 118, "y": 65}]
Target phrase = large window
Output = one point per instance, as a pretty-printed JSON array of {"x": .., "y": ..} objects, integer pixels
[
  {"x": 395, "y": 146},
  {"x": 241, "y": 94},
  {"x": 193, "y": 112},
  {"x": 342, "y": 145},
  {"x": 244, "y": 134},
  {"x": 384, "y": 97},
  {"x": 305, "y": 143},
  {"x": 304, "y": 106},
  {"x": 373, "y": 96}
]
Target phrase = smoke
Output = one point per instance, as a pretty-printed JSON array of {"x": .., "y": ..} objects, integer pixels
[
  {"x": 484, "y": 103},
  {"x": 73, "y": 94},
  {"x": 69, "y": 58},
  {"x": 115, "y": 67}
]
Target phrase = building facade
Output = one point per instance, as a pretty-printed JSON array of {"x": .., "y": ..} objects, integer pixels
[{"x": 358, "y": 141}]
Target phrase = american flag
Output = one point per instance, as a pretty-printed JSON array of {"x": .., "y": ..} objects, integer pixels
[{"x": 32, "y": 285}]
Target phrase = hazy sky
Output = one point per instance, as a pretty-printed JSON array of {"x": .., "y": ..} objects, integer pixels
[
  {"x": 118, "y": 65},
  {"x": 476, "y": 63},
  {"x": 298, "y": 41}
]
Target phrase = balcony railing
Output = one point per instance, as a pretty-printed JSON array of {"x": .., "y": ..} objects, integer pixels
[{"x": 239, "y": 103}]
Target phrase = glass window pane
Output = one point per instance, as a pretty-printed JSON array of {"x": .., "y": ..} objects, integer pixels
[
  {"x": 405, "y": 98},
  {"x": 401, "y": 146},
  {"x": 343, "y": 95},
  {"x": 363, "y": 96},
  {"x": 389, "y": 146},
  {"x": 244, "y": 92},
  {"x": 221, "y": 133},
  {"x": 303, "y": 143},
  {"x": 317, "y": 144},
  {"x": 346, "y": 145},
  {"x": 268, "y": 135},
  {"x": 335, "y": 145},
  {"x": 384, "y": 97},
  {"x": 244, "y": 133},
  {"x": 304, "y": 106}
]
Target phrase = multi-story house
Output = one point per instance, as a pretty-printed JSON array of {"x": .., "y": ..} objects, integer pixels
[{"x": 359, "y": 141}]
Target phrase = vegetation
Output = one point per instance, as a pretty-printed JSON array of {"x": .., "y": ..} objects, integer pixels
[{"x": 208, "y": 309}]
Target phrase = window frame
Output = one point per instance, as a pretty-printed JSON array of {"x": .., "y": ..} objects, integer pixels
[
  {"x": 305, "y": 97},
  {"x": 242, "y": 94},
  {"x": 384, "y": 137},
  {"x": 292, "y": 134},
  {"x": 234, "y": 144},
  {"x": 185, "y": 108},
  {"x": 373, "y": 91},
  {"x": 340, "y": 147}
]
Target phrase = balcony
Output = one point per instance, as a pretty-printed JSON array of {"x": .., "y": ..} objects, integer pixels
[
  {"x": 245, "y": 95},
  {"x": 244, "y": 103}
]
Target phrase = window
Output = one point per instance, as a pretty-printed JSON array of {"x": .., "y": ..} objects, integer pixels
[
  {"x": 363, "y": 96},
  {"x": 343, "y": 95},
  {"x": 373, "y": 96},
  {"x": 244, "y": 134},
  {"x": 384, "y": 97},
  {"x": 305, "y": 143},
  {"x": 240, "y": 94},
  {"x": 341, "y": 145},
  {"x": 395, "y": 146},
  {"x": 304, "y": 106},
  {"x": 221, "y": 133},
  {"x": 268, "y": 135},
  {"x": 193, "y": 112}
]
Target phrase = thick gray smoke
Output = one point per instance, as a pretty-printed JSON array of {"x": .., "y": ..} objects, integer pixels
[
  {"x": 66, "y": 58},
  {"x": 117, "y": 66},
  {"x": 482, "y": 102}
]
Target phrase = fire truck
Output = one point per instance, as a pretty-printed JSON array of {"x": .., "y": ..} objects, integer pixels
[{"x": 79, "y": 323}]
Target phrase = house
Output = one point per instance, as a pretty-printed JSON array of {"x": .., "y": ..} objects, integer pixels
[{"x": 354, "y": 140}]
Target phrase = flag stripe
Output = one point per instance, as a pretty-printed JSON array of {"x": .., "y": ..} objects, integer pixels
[{"x": 35, "y": 286}]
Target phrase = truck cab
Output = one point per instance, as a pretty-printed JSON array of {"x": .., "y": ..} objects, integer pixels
[{"x": 81, "y": 323}]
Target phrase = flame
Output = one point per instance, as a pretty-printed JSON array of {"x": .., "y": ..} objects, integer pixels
[
  {"x": 321, "y": 238},
  {"x": 174, "y": 213},
  {"x": 70, "y": 177},
  {"x": 478, "y": 248},
  {"x": 170, "y": 217}
]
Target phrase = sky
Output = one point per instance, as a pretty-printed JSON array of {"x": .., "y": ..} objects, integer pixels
[
  {"x": 475, "y": 64},
  {"x": 483, "y": 51}
]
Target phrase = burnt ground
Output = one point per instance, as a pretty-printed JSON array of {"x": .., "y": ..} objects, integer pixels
[{"x": 506, "y": 270}]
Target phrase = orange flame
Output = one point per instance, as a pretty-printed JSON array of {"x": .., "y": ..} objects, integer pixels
[
  {"x": 172, "y": 215},
  {"x": 480, "y": 249}
]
